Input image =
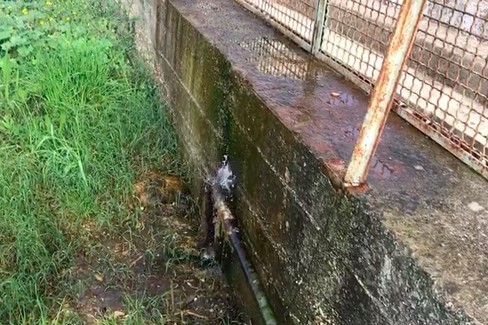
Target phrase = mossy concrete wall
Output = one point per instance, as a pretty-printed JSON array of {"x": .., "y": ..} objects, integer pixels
[{"x": 324, "y": 257}]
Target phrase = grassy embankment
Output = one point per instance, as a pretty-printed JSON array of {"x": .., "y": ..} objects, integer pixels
[{"x": 80, "y": 121}]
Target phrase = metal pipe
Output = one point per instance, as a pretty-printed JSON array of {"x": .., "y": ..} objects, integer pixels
[
  {"x": 221, "y": 186},
  {"x": 382, "y": 95}
]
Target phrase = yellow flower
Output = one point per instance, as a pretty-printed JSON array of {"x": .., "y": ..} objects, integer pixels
[
  {"x": 41, "y": 22},
  {"x": 49, "y": 3},
  {"x": 25, "y": 11}
]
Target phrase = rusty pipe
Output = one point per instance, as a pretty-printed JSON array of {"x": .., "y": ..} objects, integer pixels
[
  {"x": 227, "y": 223},
  {"x": 219, "y": 188},
  {"x": 382, "y": 96}
]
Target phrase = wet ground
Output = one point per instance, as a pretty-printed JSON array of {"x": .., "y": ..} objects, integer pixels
[{"x": 152, "y": 273}]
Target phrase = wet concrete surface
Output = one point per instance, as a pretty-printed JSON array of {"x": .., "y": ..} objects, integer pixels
[{"x": 426, "y": 198}]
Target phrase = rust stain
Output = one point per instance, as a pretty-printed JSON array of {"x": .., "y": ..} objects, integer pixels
[{"x": 335, "y": 170}]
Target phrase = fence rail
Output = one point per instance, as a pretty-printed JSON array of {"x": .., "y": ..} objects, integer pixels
[{"x": 443, "y": 85}]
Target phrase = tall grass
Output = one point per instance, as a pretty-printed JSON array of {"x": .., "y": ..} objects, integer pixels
[{"x": 78, "y": 120}]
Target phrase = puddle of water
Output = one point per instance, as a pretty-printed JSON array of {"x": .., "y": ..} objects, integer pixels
[
  {"x": 340, "y": 99},
  {"x": 351, "y": 133}
]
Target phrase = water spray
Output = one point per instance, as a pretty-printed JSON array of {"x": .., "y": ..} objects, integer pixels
[{"x": 220, "y": 190}]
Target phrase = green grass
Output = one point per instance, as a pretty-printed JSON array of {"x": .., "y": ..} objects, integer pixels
[{"x": 78, "y": 121}]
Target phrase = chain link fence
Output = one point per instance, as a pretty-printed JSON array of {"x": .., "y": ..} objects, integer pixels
[
  {"x": 443, "y": 88},
  {"x": 294, "y": 18},
  {"x": 275, "y": 58}
]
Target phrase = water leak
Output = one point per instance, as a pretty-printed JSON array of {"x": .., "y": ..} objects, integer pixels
[{"x": 225, "y": 178}]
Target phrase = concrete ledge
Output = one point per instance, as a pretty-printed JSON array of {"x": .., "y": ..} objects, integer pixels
[
  {"x": 412, "y": 250},
  {"x": 427, "y": 90}
]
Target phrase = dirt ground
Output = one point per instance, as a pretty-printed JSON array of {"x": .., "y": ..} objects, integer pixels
[{"x": 152, "y": 273}]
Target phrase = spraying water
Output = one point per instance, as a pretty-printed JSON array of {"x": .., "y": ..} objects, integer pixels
[
  {"x": 225, "y": 178},
  {"x": 222, "y": 185}
]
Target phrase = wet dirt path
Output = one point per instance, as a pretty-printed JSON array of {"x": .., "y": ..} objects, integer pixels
[{"x": 152, "y": 273}]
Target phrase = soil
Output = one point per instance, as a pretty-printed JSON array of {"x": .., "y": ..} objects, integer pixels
[{"x": 152, "y": 270}]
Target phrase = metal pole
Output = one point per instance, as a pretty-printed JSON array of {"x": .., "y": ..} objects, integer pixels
[
  {"x": 383, "y": 93},
  {"x": 319, "y": 24}
]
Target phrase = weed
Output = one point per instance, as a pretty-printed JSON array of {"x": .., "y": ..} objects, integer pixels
[{"x": 77, "y": 122}]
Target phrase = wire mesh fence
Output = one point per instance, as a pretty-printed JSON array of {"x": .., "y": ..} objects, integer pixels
[
  {"x": 294, "y": 18},
  {"x": 443, "y": 89},
  {"x": 275, "y": 58},
  {"x": 355, "y": 35}
]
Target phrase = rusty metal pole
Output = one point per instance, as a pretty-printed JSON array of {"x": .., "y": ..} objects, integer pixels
[{"x": 383, "y": 93}]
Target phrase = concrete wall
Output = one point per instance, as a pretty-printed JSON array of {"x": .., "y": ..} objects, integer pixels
[{"x": 324, "y": 257}]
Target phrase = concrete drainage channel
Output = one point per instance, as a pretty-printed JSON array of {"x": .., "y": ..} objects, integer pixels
[{"x": 218, "y": 191}]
